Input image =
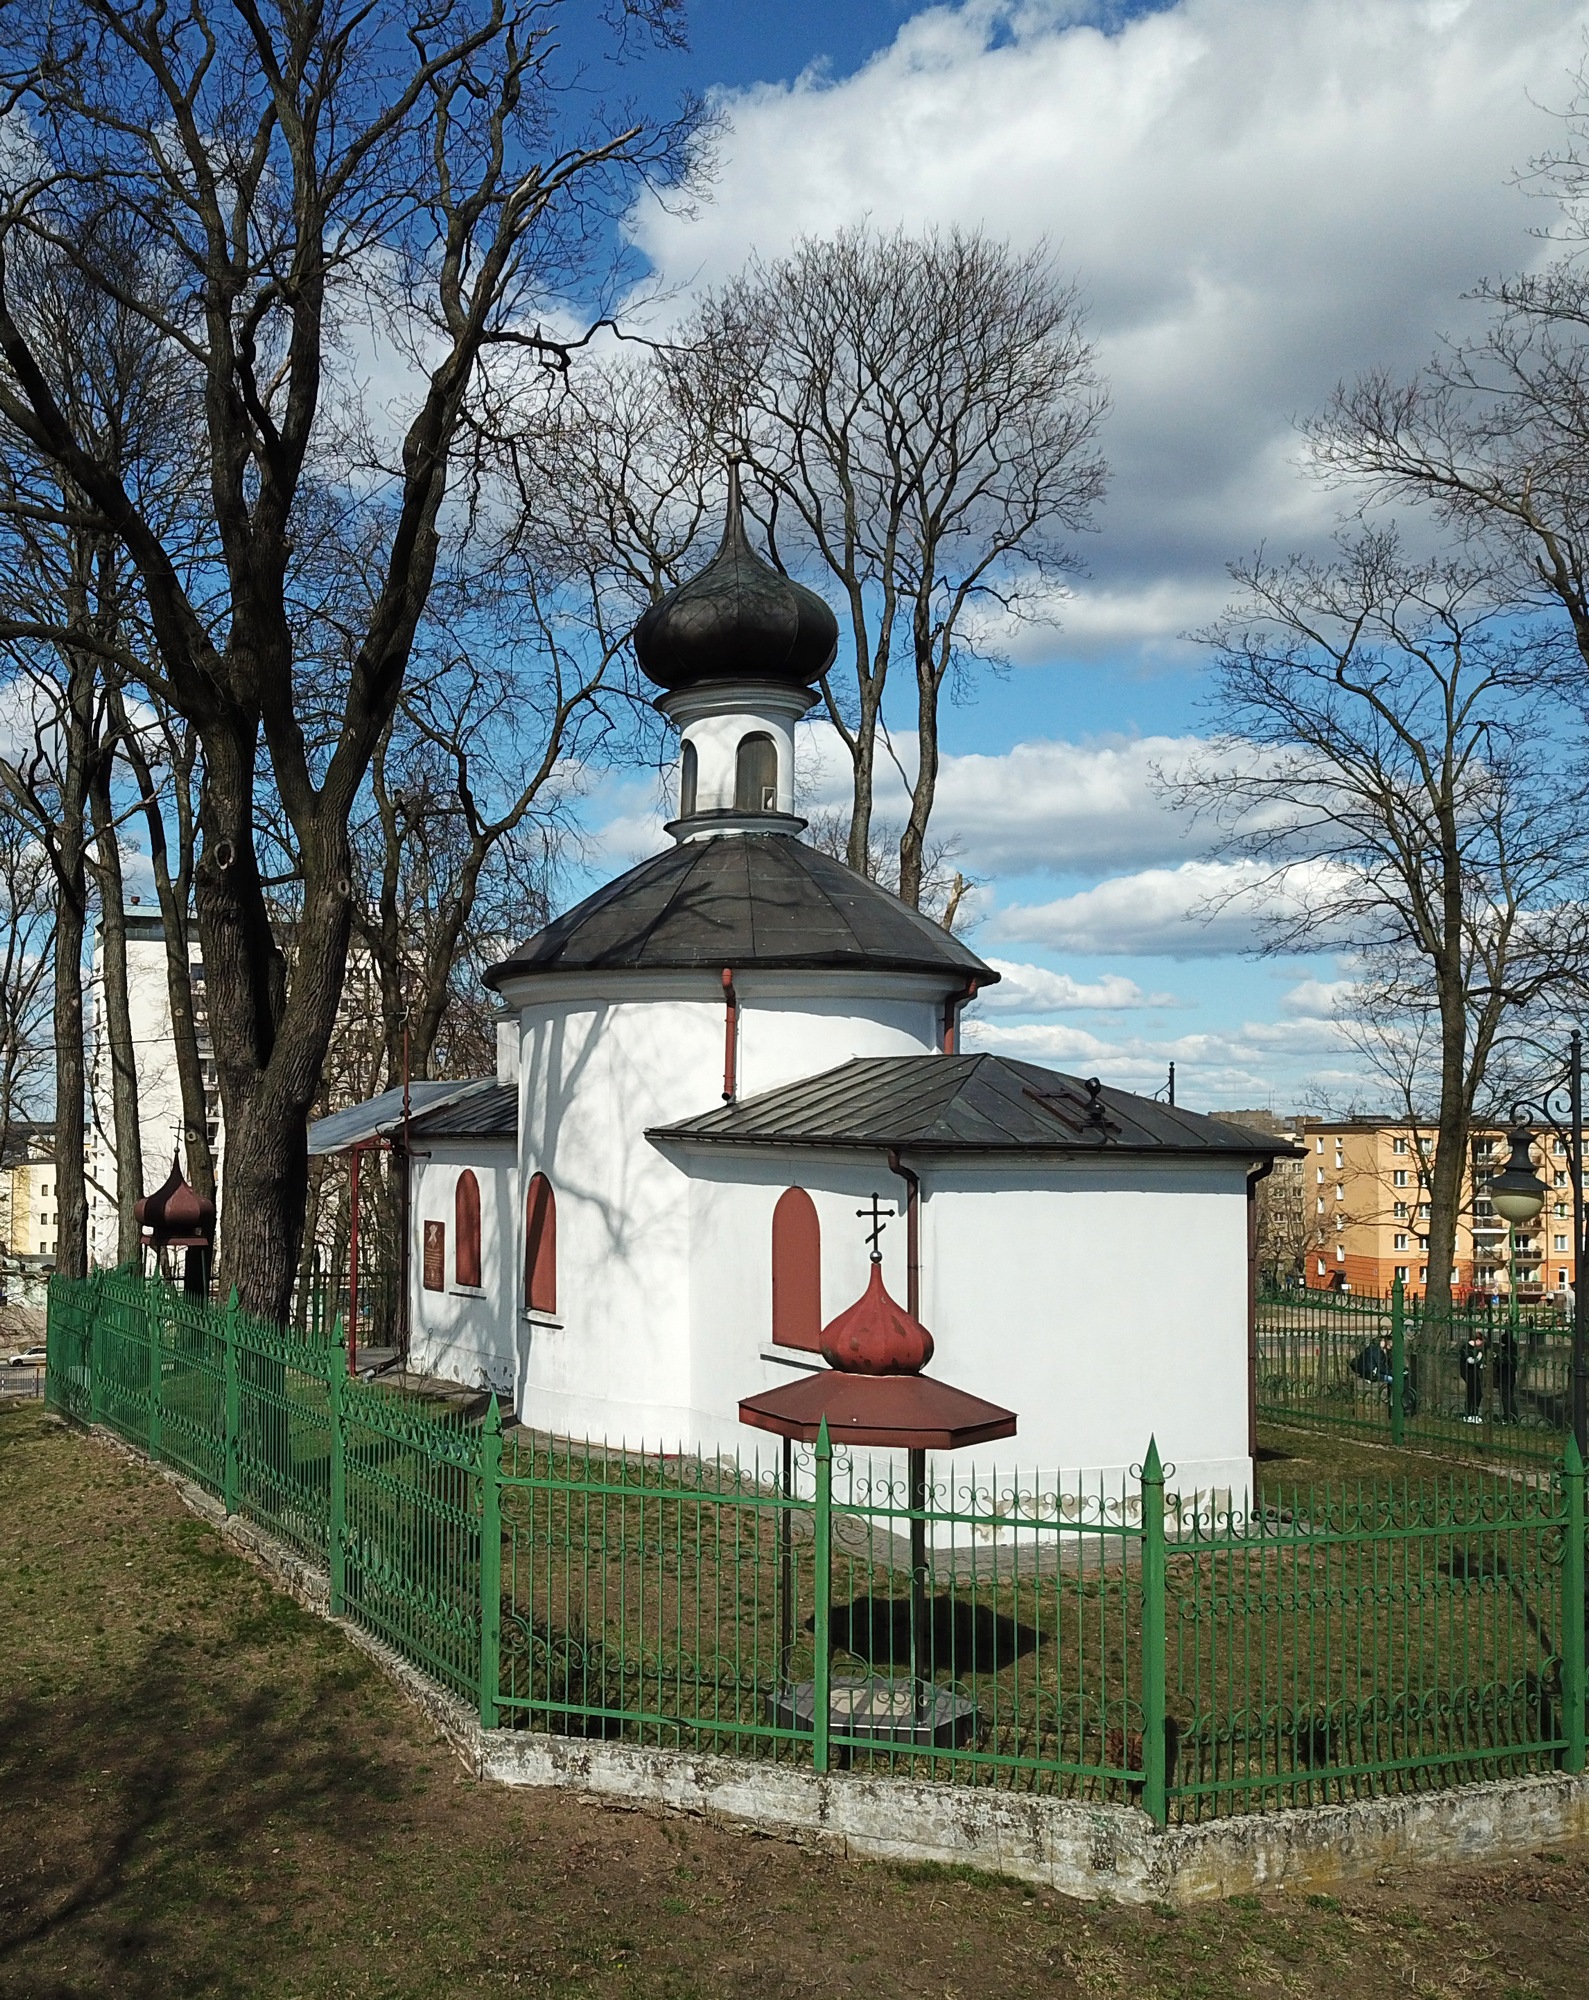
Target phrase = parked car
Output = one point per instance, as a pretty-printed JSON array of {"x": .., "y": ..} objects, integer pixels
[{"x": 30, "y": 1357}]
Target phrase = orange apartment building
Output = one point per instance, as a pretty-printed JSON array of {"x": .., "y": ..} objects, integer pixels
[{"x": 1366, "y": 1185}]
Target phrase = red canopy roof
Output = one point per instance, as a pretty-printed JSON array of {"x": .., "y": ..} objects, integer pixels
[{"x": 912, "y": 1412}]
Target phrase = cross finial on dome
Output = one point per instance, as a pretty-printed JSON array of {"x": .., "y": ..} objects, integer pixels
[{"x": 879, "y": 1223}]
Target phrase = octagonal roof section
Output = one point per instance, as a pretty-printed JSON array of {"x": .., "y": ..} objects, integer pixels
[{"x": 763, "y": 900}]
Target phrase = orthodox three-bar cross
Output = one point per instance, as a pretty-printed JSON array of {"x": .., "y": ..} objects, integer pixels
[{"x": 880, "y": 1221}]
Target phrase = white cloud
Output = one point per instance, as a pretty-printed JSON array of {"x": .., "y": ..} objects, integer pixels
[
  {"x": 1033, "y": 989},
  {"x": 1260, "y": 197},
  {"x": 1043, "y": 807},
  {"x": 1320, "y": 999},
  {"x": 1257, "y": 1062},
  {"x": 1195, "y": 911},
  {"x": 1067, "y": 808}
]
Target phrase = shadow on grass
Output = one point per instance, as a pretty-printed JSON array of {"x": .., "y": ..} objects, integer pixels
[{"x": 137, "y": 1826}]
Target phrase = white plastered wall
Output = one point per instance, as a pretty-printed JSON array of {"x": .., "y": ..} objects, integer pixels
[
  {"x": 601, "y": 1060},
  {"x": 1103, "y": 1302},
  {"x": 718, "y": 716},
  {"x": 467, "y": 1335}
]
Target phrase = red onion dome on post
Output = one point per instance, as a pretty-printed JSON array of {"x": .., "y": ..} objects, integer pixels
[{"x": 876, "y": 1335}]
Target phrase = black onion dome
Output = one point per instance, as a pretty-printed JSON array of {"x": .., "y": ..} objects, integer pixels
[{"x": 736, "y": 620}]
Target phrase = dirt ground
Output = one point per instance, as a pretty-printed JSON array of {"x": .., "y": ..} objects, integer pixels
[{"x": 204, "y": 1791}]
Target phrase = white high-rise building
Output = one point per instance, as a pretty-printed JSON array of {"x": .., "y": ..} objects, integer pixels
[{"x": 155, "y": 1063}]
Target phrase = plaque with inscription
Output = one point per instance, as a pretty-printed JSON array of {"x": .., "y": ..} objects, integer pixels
[{"x": 435, "y": 1256}]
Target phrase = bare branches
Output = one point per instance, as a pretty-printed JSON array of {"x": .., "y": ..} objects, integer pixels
[
  {"x": 281, "y": 201},
  {"x": 922, "y": 414},
  {"x": 1385, "y": 764}
]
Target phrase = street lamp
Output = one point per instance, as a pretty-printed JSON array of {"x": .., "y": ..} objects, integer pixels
[{"x": 1518, "y": 1195}]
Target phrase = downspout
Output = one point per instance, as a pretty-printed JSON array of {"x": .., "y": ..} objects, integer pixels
[
  {"x": 951, "y": 1016},
  {"x": 730, "y": 1036},
  {"x": 1254, "y": 1176},
  {"x": 912, "y": 1230}
]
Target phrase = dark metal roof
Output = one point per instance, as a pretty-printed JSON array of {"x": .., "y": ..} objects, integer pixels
[
  {"x": 491, "y": 1112},
  {"x": 964, "y": 1104},
  {"x": 380, "y": 1116},
  {"x": 742, "y": 900}
]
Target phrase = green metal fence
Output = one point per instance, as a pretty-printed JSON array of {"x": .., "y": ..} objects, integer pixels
[
  {"x": 1478, "y": 1380},
  {"x": 1135, "y": 1643}
]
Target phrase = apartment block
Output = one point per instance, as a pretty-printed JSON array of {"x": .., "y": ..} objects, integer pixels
[
  {"x": 1366, "y": 1187},
  {"x": 28, "y": 1207}
]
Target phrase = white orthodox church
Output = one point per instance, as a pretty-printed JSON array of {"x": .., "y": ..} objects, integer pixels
[{"x": 712, "y": 1064}]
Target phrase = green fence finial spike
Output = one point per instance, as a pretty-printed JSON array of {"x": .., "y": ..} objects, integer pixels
[
  {"x": 231, "y": 1300},
  {"x": 824, "y": 1442},
  {"x": 1572, "y": 1457},
  {"x": 493, "y": 1419},
  {"x": 1153, "y": 1465},
  {"x": 339, "y": 1336}
]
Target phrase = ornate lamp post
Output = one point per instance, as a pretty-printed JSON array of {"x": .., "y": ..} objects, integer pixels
[{"x": 1518, "y": 1194}]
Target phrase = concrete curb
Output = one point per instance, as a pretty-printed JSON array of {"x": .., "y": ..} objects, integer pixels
[{"x": 1074, "y": 1848}]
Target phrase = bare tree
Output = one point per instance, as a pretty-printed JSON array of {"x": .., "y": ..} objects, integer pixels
[
  {"x": 27, "y": 924},
  {"x": 295, "y": 175},
  {"x": 1382, "y": 764},
  {"x": 922, "y": 413},
  {"x": 1493, "y": 434},
  {"x": 115, "y": 1003}
]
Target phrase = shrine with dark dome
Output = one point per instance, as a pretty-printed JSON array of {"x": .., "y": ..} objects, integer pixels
[{"x": 645, "y": 1226}]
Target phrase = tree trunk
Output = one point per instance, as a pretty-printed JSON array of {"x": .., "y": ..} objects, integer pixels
[
  {"x": 71, "y": 1186},
  {"x": 117, "y": 1015},
  {"x": 913, "y": 843},
  {"x": 268, "y": 1060},
  {"x": 67, "y": 846},
  {"x": 1451, "y": 1140}
]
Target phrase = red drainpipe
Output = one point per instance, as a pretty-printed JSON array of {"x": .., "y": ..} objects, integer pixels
[
  {"x": 951, "y": 1016},
  {"x": 912, "y": 1230},
  {"x": 730, "y": 1035}
]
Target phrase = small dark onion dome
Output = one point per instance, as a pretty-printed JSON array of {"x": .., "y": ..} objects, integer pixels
[
  {"x": 175, "y": 1214},
  {"x": 736, "y": 620}
]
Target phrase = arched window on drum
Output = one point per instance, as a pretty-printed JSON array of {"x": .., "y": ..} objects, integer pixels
[
  {"x": 796, "y": 1271},
  {"x": 689, "y": 779},
  {"x": 540, "y": 1247},
  {"x": 756, "y": 774},
  {"x": 466, "y": 1230}
]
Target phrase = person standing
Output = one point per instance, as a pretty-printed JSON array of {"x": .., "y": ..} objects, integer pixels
[
  {"x": 1470, "y": 1359},
  {"x": 1506, "y": 1371}
]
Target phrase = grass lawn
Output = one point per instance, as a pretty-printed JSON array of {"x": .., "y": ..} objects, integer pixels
[
  {"x": 204, "y": 1791},
  {"x": 1290, "y": 1458}
]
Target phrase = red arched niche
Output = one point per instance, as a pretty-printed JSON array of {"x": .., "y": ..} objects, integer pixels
[
  {"x": 796, "y": 1271},
  {"x": 466, "y": 1218},
  {"x": 540, "y": 1246}
]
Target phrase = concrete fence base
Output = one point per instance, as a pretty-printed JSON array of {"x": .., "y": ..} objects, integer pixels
[{"x": 1073, "y": 1848}]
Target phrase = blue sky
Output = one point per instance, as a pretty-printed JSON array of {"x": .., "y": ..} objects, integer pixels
[{"x": 1259, "y": 198}]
